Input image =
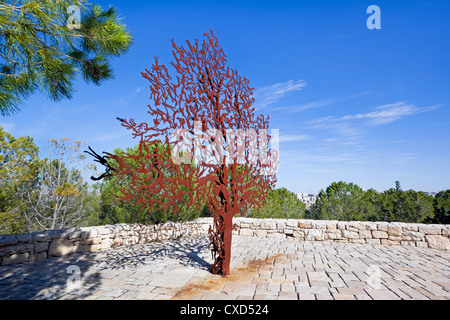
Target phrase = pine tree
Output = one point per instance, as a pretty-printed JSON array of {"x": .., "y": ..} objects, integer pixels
[{"x": 44, "y": 44}]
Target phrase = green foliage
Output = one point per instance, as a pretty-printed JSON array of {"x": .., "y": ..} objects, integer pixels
[
  {"x": 19, "y": 167},
  {"x": 280, "y": 204},
  {"x": 441, "y": 206},
  {"x": 341, "y": 201},
  {"x": 404, "y": 206},
  {"x": 42, "y": 48},
  {"x": 346, "y": 201}
]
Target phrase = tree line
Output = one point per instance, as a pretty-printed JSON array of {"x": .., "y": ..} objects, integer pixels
[
  {"x": 348, "y": 201},
  {"x": 55, "y": 192}
]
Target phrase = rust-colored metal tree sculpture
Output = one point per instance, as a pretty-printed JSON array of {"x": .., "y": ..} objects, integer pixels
[{"x": 205, "y": 144}]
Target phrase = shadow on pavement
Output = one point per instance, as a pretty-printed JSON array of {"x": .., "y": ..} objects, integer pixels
[
  {"x": 80, "y": 274},
  {"x": 187, "y": 251}
]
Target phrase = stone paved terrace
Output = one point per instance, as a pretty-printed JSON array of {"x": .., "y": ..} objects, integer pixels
[{"x": 262, "y": 268}]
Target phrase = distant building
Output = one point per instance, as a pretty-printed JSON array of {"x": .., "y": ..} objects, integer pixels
[
  {"x": 307, "y": 198},
  {"x": 431, "y": 194}
]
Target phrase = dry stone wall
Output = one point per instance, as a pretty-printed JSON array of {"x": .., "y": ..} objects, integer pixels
[
  {"x": 26, "y": 247},
  {"x": 395, "y": 233}
]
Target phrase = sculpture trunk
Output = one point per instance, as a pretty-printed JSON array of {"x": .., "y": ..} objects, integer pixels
[
  {"x": 227, "y": 234},
  {"x": 220, "y": 237}
]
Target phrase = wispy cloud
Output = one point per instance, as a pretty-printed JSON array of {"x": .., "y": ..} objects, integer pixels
[
  {"x": 326, "y": 102},
  {"x": 380, "y": 116},
  {"x": 293, "y": 137},
  {"x": 268, "y": 95}
]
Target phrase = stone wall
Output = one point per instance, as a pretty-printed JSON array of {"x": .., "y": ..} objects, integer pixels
[
  {"x": 41, "y": 245},
  {"x": 395, "y": 233}
]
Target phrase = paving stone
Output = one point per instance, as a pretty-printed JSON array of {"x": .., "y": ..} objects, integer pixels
[
  {"x": 306, "y": 296},
  {"x": 382, "y": 294},
  {"x": 313, "y": 290},
  {"x": 340, "y": 296},
  {"x": 283, "y": 295}
]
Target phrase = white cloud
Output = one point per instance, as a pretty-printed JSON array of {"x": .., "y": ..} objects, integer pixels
[
  {"x": 268, "y": 95},
  {"x": 293, "y": 137},
  {"x": 326, "y": 102},
  {"x": 382, "y": 115}
]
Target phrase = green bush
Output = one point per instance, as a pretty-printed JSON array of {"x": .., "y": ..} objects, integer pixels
[{"x": 280, "y": 204}]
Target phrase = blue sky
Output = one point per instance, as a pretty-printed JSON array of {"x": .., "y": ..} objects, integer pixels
[{"x": 352, "y": 104}]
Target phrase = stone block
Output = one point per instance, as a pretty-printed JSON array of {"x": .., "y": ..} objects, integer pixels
[
  {"x": 410, "y": 227},
  {"x": 365, "y": 234},
  {"x": 430, "y": 229},
  {"x": 394, "y": 230},
  {"x": 38, "y": 256},
  {"x": 256, "y": 223},
  {"x": 355, "y": 226},
  {"x": 305, "y": 224},
  {"x": 360, "y": 241},
  {"x": 41, "y": 246},
  {"x": 281, "y": 225},
  {"x": 333, "y": 235},
  {"x": 54, "y": 234},
  {"x": 332, "y": 225},
  {"x": 299, "y": 234},
  {"x": 314, "y": 234},
  {"x": 408, "y": 235},
  {"x": 349, "y": 234},
  {"x": 389, "y": 242},
  {"x": 382, "y": 226},
  {"x": 380, "y": 234},
  {"x": 39, "y": 236},
  {"x": 276, "y": 235},
  {"x": 17, "y": 248},
  {"x": 74, "y": 234},
  {"x": 15, "y": 258},
  {"x": 292, "y": 223},
  {"x": 268, "y": 224},
  {"x": 371, "y": 226},
  {"x": 446, "y": 231},
  {"x": 24, "y": 237},
  {"x": 60, "y": 247},
  {"x": 260, "y": 233},
  {"x": 342, "y": 225},
  {"x": 7, "y": 240},
  {"x": 319, "y": 224},
  {"x": 438, "y": 242},
  {"x": 421, "y": 244}
]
